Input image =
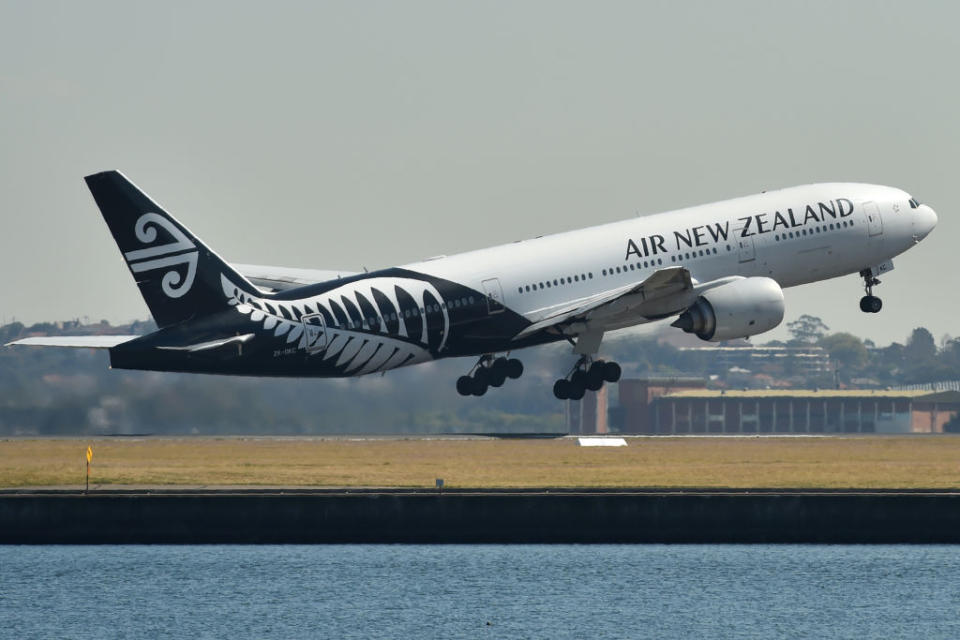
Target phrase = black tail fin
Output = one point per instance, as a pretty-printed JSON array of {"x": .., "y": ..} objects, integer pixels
[{"x": 179, "y": 277}]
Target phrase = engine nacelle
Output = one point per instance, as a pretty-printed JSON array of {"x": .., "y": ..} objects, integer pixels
[{"x": 737, "y": 309}]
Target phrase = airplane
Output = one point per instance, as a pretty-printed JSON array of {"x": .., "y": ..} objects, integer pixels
[{"x": 718, "y": 269}]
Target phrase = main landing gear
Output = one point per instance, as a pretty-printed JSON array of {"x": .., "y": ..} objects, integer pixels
[
  {"x": 870, "y": 303},
  {"x": 586, "y": 374},
  {"x": 488, "y": 372}
]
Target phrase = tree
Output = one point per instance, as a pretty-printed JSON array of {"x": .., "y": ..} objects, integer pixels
[
  {"x": 921, "y": 347},
  {"x": 807, "y": 329},
  {"x": 846, "y": 349}
]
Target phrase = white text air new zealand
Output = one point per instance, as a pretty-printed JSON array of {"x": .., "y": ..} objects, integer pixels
[{"x": 720, "y": 268}]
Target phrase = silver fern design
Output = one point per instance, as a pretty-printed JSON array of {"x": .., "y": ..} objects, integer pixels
[
  {"x": 174, "y": 284},
  {"x": 361, "y": 327}
]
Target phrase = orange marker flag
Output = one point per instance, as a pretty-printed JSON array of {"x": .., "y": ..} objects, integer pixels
[{"x": 89, "y": 458}]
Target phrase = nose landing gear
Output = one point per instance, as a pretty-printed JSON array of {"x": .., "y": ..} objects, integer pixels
[
  {"x": 586, "y": 374},
  {"x": 488, "y": 372},
  {"x": 870, "y": 303}
]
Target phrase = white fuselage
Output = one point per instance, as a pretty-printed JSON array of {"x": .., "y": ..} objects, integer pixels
[{"x": 769, "y": 234}]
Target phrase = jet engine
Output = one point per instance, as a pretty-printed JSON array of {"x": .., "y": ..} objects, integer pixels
[{"x": 737, "y": 309}]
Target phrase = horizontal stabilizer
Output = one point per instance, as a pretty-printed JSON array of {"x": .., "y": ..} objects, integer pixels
[
  {"x": 210, "y": 344},
  {"x": 80, "y": 342}
]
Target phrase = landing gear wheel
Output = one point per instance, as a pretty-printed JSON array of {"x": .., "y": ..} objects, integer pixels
[
  {"x": 561, "y": 389},
  {"x": 870, "y": 304},
  {"x": 478, "y": 387},
  {"x": 577, "y": 390},
  {"x": 497, "y": 372},
  {"x": 611, "y": 371},
  {"x": 465, "y": 385},
  {"x": 488, "y": 372},
  {"x": 594, "y": 380}
]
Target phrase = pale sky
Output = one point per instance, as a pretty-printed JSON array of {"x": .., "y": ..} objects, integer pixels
[{"x": 351, "y": 134}]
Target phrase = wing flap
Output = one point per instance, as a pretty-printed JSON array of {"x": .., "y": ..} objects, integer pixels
[{"x": 664, "y": 292}]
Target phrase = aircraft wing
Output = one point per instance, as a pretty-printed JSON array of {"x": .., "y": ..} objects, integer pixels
[
  {"x": 88, "y": 342},
  {"x": 666, "y": 292},
  {"x": 282, "y": 278}
]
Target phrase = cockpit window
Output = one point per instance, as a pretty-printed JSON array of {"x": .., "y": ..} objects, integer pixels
[{"x": 914, "y": 203}]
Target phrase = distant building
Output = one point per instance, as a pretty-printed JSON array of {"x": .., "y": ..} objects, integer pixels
[
  {"x": 646, "y": 409},
  {"x": 589, "y": 415},
  {"x": 932, "y": 411},
  {"x": 803, "y": 360},
  {"x": 632, "y": 415}
]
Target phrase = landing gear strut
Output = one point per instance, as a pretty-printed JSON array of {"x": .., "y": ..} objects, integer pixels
[
  {"x": 586, "y": 374},
  {"x": 488, "y": 372},
  {"x": 870, "y": 303}
]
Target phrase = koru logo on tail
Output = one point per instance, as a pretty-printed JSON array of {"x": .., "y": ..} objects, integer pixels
[{"x": 179, "y": 252}]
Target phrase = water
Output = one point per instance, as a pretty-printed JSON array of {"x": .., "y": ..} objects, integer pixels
[{"x": 523, "y": 591}]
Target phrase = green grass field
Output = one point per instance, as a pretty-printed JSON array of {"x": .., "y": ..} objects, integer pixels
[{"x": 855, "y": 462}]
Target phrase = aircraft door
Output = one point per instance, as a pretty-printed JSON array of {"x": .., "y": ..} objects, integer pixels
[
  {"x": 315, "y": 332},
  {"x": 874, "y": 219},
  {"x": 745, "y": 246},
  {"x": 494, "y": 293}
]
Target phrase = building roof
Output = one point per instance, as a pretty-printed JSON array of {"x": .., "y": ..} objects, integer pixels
[
  {"x": 944, "y": 397},
  {"x": 668, "y": 381},
  {"x": 794, "y": 393}
]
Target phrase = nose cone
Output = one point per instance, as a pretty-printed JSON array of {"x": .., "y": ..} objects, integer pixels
[{"x": 925, "y": 219}]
